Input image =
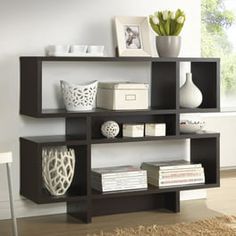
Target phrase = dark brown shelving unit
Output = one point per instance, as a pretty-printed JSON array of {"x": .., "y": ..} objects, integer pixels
[{"x": 83, "y": 131}]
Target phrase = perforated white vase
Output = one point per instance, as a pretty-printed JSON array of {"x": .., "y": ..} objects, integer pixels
[
  {"x": 58, "y": 165},
  {"x": 79, "y": 97}
]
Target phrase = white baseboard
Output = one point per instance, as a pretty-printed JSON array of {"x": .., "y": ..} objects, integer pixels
[
  {"x": 26, "y": 208},
  {"x": 193, "y": 194}
]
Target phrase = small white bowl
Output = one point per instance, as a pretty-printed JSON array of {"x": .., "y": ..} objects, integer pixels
[
  {"x": 191, "y": 126},
  {"x": 95, "y": 50},
  {"x": 56, "y": 50},
  {"x": 78, "y": 49}
]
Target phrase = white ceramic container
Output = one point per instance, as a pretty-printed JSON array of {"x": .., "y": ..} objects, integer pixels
[
  {"x": 155, "y": 129},
  {"x": 190, "y": 95},
  {"x": 133, "y": 130},
  {"x": 79, "y": 97}
]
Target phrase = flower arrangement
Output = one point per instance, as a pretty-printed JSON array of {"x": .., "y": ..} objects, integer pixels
[{"x": 167, "y": 23}]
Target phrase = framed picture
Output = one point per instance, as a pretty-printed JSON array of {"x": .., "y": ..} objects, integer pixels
[{"x": 133, "y": 37}]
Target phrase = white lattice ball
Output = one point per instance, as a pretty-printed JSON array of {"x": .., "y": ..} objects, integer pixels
[
  {"x": 110, "y": 129},
  {"x": 79, "y": 97},
  {"x": 58, "y": 165}
]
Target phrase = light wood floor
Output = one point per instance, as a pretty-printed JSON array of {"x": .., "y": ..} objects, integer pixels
[{"x": 220, "y": 201}]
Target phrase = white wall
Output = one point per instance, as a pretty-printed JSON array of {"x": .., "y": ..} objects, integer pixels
[
  {"x": 26, "y": 27},
  {"x": 225, "y": 124}
]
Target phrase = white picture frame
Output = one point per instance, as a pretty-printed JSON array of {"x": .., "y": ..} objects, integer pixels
[{"x": 133, "y": 36}]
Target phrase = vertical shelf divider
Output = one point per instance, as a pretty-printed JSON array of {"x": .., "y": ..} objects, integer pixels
[{"x": 177, "y": 97}]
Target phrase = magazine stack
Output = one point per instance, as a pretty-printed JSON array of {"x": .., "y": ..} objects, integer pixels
[
  {"x": 119, "y": 178},
  {"x": 173, "y": 173}
]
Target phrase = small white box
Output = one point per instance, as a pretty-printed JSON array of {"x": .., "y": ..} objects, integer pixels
[
  {"x": 133, "y": 130},
  {"x": 122, "y": 96},
  {"x": 155, "y": 129}
]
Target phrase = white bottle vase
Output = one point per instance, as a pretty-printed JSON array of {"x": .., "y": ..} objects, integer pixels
[{"x": 190, "y": 95}]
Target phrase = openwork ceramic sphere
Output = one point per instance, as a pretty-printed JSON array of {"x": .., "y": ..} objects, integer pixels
[
  {"x": 110, "y": 129},
  {"x": 79, "y": 97},
  {"x": 58, "y": 165}
]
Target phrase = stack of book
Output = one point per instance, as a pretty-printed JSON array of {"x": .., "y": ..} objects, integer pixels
[
  {"x": 119, "y": 178},
  {"x": 173, "y": 173}
]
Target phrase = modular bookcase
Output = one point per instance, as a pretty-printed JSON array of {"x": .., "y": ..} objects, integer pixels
[{"x": 83, "y": 130}]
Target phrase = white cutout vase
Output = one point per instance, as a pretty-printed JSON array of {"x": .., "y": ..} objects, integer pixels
[
  {"x": 58, "y": 166},
  {"x": 79, "y": 97},
  {"x": 190, "y": 94}
]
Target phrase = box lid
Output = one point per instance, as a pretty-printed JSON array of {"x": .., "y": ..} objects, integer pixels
[{"x": 122, "y": 85}]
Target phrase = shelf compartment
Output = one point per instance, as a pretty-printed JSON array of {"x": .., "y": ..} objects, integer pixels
[
  {"x": 169, "y": 120},
  {"x": 206, "y": 76},
  {"x": 163, "y": 85},
  {"x": 31, "y": 181},
  {"x": 206, "y": 151},
  {"x": 132, "y": 203}
]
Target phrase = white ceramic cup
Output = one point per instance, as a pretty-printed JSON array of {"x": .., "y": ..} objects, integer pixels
[
  {"x": 96, "y": 49},
  {"x": 57, "y": 49},
  {"x": 78, "y": 49}
]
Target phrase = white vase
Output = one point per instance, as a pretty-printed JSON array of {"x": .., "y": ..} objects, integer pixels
[
  {"x": 190, "y": 95},
  {"x": 58, "y": 165},
  {"x": 79, "y": 97}
]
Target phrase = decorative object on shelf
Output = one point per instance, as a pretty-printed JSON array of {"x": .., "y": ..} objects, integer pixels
[
  {"x": 79, "y": 49},
  {"x": 75, "y": 50},
  {"x": 190, "y": 95},
  {"x": 167, "y": 25},
  {"x": 133, "y": 36},
  {"x": 79, "y": 97},
  {"x": 95, "y": 50},
  {"x": 133, "y": 130},
  {"x": 155, "y": 129},
  {"x": 58, "y": 164},
  {"x": 118, "y": 178},
  {"x": 191, "y": 123},
  {"x": 122, "y": 96},
  {"x": 110, "y": 129},
  {"x": 57, "y": 50}
]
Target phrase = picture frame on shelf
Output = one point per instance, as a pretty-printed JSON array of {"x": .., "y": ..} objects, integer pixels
[{"x": 133, "y": 36}]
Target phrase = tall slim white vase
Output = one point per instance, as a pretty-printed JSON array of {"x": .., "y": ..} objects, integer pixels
[{"x": 190, "y": 94}]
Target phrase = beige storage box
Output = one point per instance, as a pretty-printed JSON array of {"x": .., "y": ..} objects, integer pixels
[
  {"x": 157, "y": 129},
  {"x": 133, "y": 130},
  {"x": 122, "y": 96}
]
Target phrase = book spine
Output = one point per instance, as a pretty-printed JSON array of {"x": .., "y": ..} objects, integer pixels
[
  {"x": 118, "y": 188},
  {"x": 183, "y": 167},
  {"x": 181, "y": 175},
  {"x": 183, "y": 181},
  {"x": 146, "y": 166},
  {"x": 175, "y": 174},
  {"x": 120, "y": 183},
  {"x": 116, "y": 175},
  {"x": 160, "y": 183}
]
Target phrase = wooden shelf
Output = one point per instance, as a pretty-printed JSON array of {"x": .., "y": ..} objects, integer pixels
[
  {"x": 55, "y": 113},
  {"x": 198, "y": 110},
  {"x": 117, "y": 59},
  {"x": 55, "y": 140},
  {"x": 46, "y": 198},
  {"x": 83, "y": 130},
  {"x": 151, "y": 190}
]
